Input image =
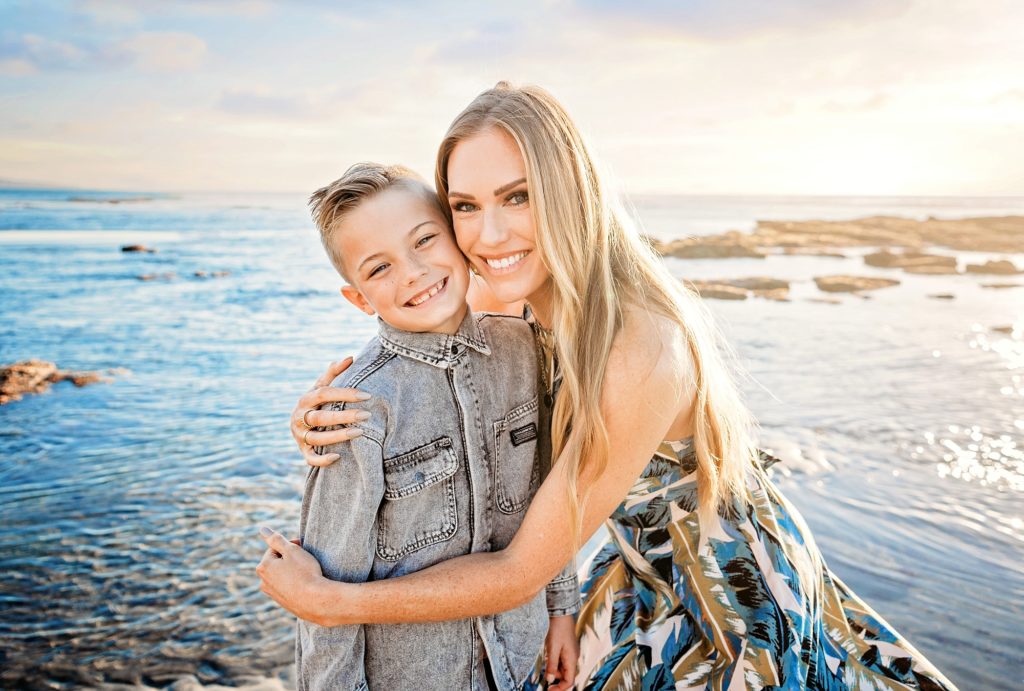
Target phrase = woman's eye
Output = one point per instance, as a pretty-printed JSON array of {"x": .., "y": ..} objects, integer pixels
[
  {"x": 425, "y": 239},
  {"x": 518, "y": 198},
  {"x": 377, "y": 269},
  {"x": 462, "y": 207}
]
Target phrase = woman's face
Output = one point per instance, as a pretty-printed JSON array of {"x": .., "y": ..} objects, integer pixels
[{"x": 491, "y": 213}]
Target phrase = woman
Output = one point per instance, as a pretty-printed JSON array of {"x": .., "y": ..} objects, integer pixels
[{"x": 711, "y": 578}]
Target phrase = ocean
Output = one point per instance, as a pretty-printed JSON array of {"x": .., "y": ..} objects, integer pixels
[{"x": 129, "y": 509}]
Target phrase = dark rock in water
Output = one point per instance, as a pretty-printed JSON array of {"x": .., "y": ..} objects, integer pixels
[
  {"x": 994, "y": 234},
  {"x": 758, "y": 283},
  {"x": 813, "y": 252},
  {"x": 211, "y": 274},
  {"x": 730, "y": 244},
  {"x": 942, "y": 296},
  {"x": 718, "y": 291},
  {"x": 741, "y": 288},
  {"x": 1003, "y": 267},
  {"x": 902, "y": 260},
  {"x": 1003, "y": 329},
  {"x": 36, "y": 376},
  {"x": 1002, "y": 285},
  {"x": 137, "y": 248},
  {"x": 153, "y": 277},
  {"x": 852, "y": 284},
  {"x": 913, "y": 262},
  {"x": 931, "y": 269}
]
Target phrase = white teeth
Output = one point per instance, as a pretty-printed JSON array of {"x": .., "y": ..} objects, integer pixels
[
  {"x": 507, "y": 261},
  {"x": 426, "y": 295}
]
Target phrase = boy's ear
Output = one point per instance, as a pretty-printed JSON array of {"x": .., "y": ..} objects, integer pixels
[{"x": 353, "y": 295}]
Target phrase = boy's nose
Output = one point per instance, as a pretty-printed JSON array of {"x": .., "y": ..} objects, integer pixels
[{"x": 415, "y": 272}]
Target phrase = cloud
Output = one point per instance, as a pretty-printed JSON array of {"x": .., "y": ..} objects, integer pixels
[
  {"x": 725, "y": 19},
  {"x": 262, "y": 103},
  {"x": 160, "y": 51},
  {"x": 151, "y": 51},
  {"x": 135, "y": 11},
  {"x": 31, "y": 53},
  {"x": 1011, "y": 96},
  {"x": 860, "y": 104}
]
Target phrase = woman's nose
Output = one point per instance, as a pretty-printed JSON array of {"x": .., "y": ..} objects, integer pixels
[{"x": 494, "y": 232}]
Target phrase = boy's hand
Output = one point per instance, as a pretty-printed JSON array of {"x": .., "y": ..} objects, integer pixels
[{"x": 563, "y": 651}]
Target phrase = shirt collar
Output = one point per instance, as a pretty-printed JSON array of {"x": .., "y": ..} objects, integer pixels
[{"x": 435, "y": 349}]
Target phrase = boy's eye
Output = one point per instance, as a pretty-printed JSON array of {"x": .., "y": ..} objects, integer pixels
[
  {"x": 518, "y": 198},
  {"x": 425, "y": 239},
  {"x": 377, "y": 269}
]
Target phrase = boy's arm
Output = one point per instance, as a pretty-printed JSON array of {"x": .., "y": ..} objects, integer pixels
[{"x": 341, "y": 532}]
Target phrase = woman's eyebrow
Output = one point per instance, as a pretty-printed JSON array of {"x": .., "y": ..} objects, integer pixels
[
  {"x": 506, "y": 187},
  {"x": 497, "y": 193}
]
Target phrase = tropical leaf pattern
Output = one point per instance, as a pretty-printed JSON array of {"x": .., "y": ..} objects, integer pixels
[{"x": 743, "y": 603}]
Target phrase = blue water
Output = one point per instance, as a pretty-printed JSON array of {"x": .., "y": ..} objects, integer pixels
[{"x": 128, "y": 509}]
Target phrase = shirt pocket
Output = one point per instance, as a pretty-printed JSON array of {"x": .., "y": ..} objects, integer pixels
[
  {"x": 515, "y": 457},
  {"x": 419, "y": 500}
]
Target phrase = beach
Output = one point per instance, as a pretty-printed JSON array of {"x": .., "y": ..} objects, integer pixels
[{"x": 882, "y": 340}]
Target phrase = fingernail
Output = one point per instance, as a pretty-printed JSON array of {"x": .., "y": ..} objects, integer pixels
[
  {"x": 363, "y": 415},
  {"x": 356, "y": 432},
  {"x": 332, "y": 457},
  {"x": 265, "y": 531},
  {"x": 551, "y": 678},
  {"x": 362, "y": 396}
]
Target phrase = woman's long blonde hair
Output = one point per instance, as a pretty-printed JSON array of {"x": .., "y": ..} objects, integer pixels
[{"x": 599, "y": 263}]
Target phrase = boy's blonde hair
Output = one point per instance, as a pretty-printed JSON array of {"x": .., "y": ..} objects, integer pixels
[{"x": 330, "y": 204}]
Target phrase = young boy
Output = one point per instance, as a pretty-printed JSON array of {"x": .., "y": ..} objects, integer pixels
[{"x": 448, "y": 458}]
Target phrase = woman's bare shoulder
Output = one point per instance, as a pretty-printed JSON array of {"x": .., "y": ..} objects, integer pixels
[{"x": 648, "y": 344}]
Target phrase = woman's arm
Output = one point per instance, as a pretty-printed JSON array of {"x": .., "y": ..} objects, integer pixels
[
  {"x": 306, "y": 414},
  {"x": 646, "y": 386}
]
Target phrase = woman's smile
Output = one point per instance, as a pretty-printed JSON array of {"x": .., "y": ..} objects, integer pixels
[{"x": 506, "y": 264}]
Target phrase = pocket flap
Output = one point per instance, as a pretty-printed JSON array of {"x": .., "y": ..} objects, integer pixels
[{"x": 419, "y": 468}]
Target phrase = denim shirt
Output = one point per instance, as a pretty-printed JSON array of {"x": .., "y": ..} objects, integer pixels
[{"x": 447, "y": 465}]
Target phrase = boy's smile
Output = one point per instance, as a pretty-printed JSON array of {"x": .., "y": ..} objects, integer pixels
[{"x": 402, "y": 262}]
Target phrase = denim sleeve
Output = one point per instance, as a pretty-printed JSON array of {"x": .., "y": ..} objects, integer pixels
[
  {"x": 563, "y": 593},
  {"x": 340, "y": 530}
]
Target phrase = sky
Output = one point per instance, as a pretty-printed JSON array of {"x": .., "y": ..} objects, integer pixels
[{"x": 791, "y": 97}]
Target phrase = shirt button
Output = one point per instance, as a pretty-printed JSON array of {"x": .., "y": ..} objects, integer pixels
[{"x": 455, "y": 350}]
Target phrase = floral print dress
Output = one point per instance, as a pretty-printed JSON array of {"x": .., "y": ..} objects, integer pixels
[{"x": 745, "y": 602}]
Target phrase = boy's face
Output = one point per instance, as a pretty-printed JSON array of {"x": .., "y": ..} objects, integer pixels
[{"x": 403, "y": 263}]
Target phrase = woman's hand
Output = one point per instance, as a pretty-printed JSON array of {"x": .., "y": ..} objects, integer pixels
[
  {"x": 306, "y": 416},
  {"x": 563, "y": 651},
  {"x": 290, "y": 576}
]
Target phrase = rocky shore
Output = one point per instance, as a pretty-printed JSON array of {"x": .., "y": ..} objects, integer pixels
[
  {"x": 36, "y": 376},
  {"x": 899, "y": 243}
]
